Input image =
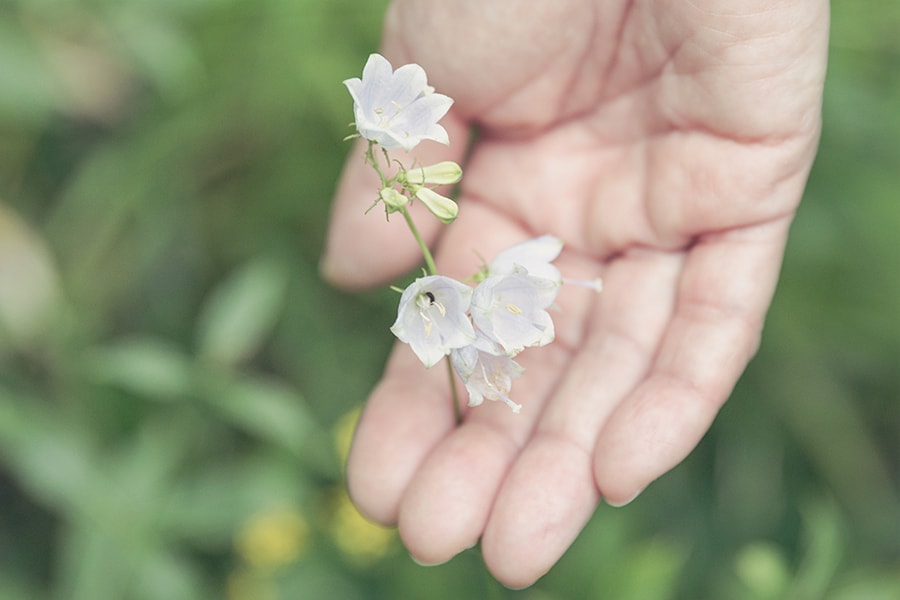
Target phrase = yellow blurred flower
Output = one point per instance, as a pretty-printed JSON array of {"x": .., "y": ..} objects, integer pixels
[
  {"x": 245, "y": 584},
  {"x": 343, "y": 433},
  {"x": 360, "y": 539},
  {"x": 272, "y": 539},
  {"x": 357, "y": 537}
]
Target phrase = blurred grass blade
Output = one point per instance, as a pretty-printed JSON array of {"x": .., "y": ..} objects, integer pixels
[
  {"x": 241, "y": 312},
  {"x": 825, "y": 541}
]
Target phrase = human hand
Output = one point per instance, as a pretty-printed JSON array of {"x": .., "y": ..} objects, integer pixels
[{"x": 668, "y": 145}]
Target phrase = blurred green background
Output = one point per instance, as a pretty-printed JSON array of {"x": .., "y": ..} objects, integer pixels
[{"x": 177, "y": 386}]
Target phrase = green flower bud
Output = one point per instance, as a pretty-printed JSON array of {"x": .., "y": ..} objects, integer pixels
[
  {"x": 442, "y": 173},
  {"x": 442, "y": 207},
  {"x": 393, "y": 200}
]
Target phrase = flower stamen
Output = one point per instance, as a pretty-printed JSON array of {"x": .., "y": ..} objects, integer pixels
[
  {"x": 491, "y": 380},
  {"x": 591, "y": 284},
  {"x": 425, "y": 301},
  {"x": 512, "y": 405}
]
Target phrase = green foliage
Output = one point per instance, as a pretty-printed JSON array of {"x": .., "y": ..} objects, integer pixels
[
  {"x": 177, "y": 384},
  {"x": 241, "y": 314}
]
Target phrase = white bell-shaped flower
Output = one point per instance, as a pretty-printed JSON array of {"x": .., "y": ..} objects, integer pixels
[
  {"x": 397, "y": 109},
  {"x": 511, "y": 310},
  {"x": 432, "y": 317},
  {"x": 486, "y": 372}
]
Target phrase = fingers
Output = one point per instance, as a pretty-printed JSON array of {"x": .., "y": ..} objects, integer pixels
[
  {"x": 364, "y": 249},
  {"x": 451, "y": 497},
  {"x": 724, "y": 292},
  {"x": 550, "y": 493},
  {"x": 405, "y": 416},
  {"x": 590, "y": 441}
]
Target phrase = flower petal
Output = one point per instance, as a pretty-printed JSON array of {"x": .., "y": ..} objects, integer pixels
[{"x": 534, "y": 255}]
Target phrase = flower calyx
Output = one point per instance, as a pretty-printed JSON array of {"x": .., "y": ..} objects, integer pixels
[{"x": 392, "y": 199}]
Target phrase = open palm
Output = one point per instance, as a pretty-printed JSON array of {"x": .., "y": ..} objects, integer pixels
[{"x": 668, "y": 145}]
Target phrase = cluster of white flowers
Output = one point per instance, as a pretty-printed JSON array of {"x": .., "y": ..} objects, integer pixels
[{"x": 480, "y": 328}]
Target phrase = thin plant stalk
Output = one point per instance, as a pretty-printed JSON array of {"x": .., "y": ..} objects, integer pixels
[{"x": 430, "y": 266}]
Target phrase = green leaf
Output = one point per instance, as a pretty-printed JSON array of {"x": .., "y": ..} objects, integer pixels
[
  {"x": 868, "y": 585},
  {"x": 149, "y": 367},
  {"x": 30, "y": 93},
  {"x": 208, "y": 503},
  {"x": 763, "y": 569},
  {"x": 267, "y": 408},
  {"x": 241, "y": 313},
  {"x": 656, "y": 568},
  {"x": 49, "y": 458},
  {"x": 167, "y": 575},
  {"x": 29, "y": 282},
  {"x": 92, "y": 564}
]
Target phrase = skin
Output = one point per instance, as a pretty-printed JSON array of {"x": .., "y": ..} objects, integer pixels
[{"x": 668, "y": 145}]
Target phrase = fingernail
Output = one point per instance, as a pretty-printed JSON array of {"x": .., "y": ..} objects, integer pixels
[
  {"x": 327, "y": 268},
  {"x": 625, "y": 503},
  {"x": 518, "y": 588},
  {"x": 423, "y": 563}
]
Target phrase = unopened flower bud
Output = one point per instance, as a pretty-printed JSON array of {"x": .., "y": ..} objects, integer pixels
[
  {"x": 393, "y": 199},
  {"x": 442, "y": 173},
  {"x": 442, "y": 207}
]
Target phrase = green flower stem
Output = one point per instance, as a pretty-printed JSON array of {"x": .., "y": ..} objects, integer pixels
[
  {"x": 431, "y": 268},
  {"x": 370, "y": 158},
  {"x": 429, "y": 260}
]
